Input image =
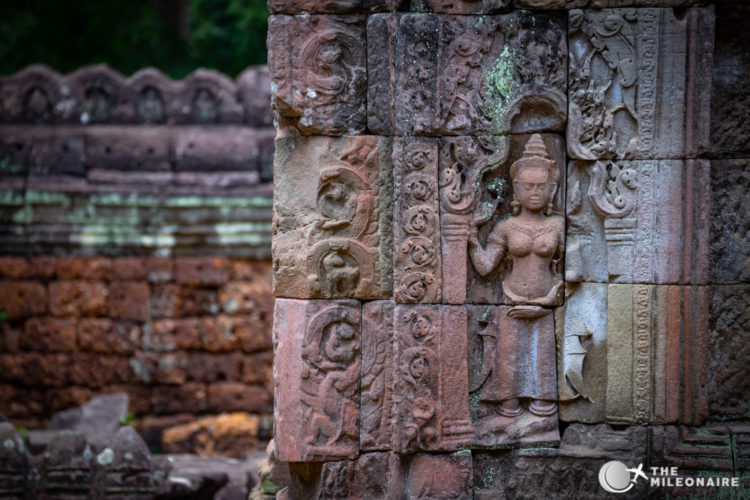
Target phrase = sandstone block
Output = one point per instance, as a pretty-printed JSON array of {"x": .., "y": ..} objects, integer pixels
[
  {"x": 48, "y": 334},
  {"x": 730, "y": 229},
  {"x": 620, "y": 104},
  {"x": 318, "y": 71},
  {"x": 106, "y": 336},
  {"x": 461, "y": 75},
  {"x": 602, "y": 4},
  {"x": 170, "y": 335},
  {"x": 95, "y": 370},
  {"x": 14, "y": 268},
  {"x": 22, "y": 298},
  {"x": 337, "y": 7},
  {"x": 235, "y": 396},
  {"x": 42, "y": 150},
  {"x": 188, "y": 397},
  {"x": 165, "y": 301},
  {"x": 143, "y": 149},
  {"x": 417, "y": 266},
  {"x": 431, "y": 384},
  {"x": 209, "y": 367},
  {"x": 461, "y": 7},
  {"x": 377, "y": 376},
  {"x": 78, "y": 298},
  {"x": 638, "y": 221},
  {"x": 332, "y": 202},
  {"x": 79, "y": 268},
  {"x": 32, "y": 369},
  {"x": 197, "y": 271},
  {"x": 230, "y": 435},
  {"x": 231, "y": 148},
  {"x": 645, "y": 360},
  {"x": 257, "y": 368},
  {"x": 316, "y": 374},
  {"x": 129, "y": 300}
]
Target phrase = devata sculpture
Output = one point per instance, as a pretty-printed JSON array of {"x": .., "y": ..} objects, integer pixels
[{"x": 519, "y": 339}]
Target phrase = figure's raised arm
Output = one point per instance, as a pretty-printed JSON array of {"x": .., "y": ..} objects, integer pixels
[{"x": 487, "y": 258}]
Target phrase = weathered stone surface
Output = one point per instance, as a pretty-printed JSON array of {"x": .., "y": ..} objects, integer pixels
[
  {"x": 431, "y": 407},
  {"x": 730, "y": 100},
  {"x": 730, "y": 221},
  {"x": 14, "y": 463},
  {"x": 227, "y": 148},
  {"x": 141, "y": 149},
  {"x": 515, "y": 238},
  {"x": 318, "y": 71},
  {"x": 333, "y": 7},
  {"x": 460, "y": 6},
  {"x": 41, "y": 150},
  {"x": 97, "y": 419},
  {"x": 729, "y": 352},
  {"x": 456, "y": 75},
  {"x": 638, "y": 221},
  {"x": 377, "y": 376},
  {"x": 230, "y": 435},
  {"x": 386, "y": 475},
  {"x": 513, "y": 384},
  {"x": 48, "y": 334},
  {"x": 317, "y": 372},
  {"x": 622, "y": 104},
  {"x": 332, "y": 200},
  {"x": 23, "y": 298},
  {"x": 416, "y": 233},
  {"x": 567, "y": 472},
  {"x": 603, "y": 4},
  {"x": 645, "y": 360}
]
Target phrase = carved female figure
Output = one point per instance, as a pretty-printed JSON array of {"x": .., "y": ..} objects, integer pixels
[{"x": 519, "y": 343}]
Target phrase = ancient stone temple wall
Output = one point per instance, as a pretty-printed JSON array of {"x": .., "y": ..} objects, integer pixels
[{"x": 493, "y": 245}]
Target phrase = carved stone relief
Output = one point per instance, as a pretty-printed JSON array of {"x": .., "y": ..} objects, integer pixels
[
  {"x": 377, "y": 376},
  {"x": 416, "y": 233},
  {"x": 602, "y": 4},
  {"x": 317, "y": 370},
  {"x": 456, "y": 75},
  {"x": 638, "y": 221},
  {"x": 332, "y": 207},
  {"x": 430, "y": 380},
  {"x": 318, "y": 71},
  {"x": 620, "y": 104},
  {"x": 627, "y": 366}
]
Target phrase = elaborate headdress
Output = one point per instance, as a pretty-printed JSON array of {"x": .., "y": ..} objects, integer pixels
[{"x": 535, "y": 155}]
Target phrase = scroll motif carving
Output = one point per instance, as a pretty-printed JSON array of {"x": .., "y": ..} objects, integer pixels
[
  {"x": 377, "y": 375},
  {"x": 417, "y": 260}
]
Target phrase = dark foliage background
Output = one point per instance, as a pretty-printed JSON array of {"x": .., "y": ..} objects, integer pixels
[{"x": 175, "y": 36}]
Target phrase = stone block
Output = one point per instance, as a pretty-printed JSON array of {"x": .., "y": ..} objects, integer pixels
[
  {"x": 431, "y": 383},
  {"x": 317, "y": 374},
  {"x": 200, "y": 271},
  {"x": 644, "y": 361},
  {"x": 32, "y": 369},
  {"x": 14, "y": 268},
  {"x": 198, "y": 301},
  {"x": 48, "y": 334},
  {"x": 254, "y": 90},
  {"x": 78, "y": 298},
  {"x": 106, "y": 336},
  {"x": 247, "y": 332},
  {"x": 602, "y": 4},
  {"x": 246, "y": 297},
  {"x": 210, "y": 367},
  {"x": 230, "y": 435},
  {"x": 623, "y": 104},
  {"x": 332, "y": 202},
  {"x": 23, "y": 298},
  {"x": 129, "y": 300},
  {"x": 377, "y": 377},
  {"x": 143, "y": 149},
  {"x": 225, "y": 148},
  {"x": 318, "y": 71},
  {"x": 41, "y": 150},
  {"x": 337, "y": 7},
  {"x": 464, "y": 75},
  {"x": 729, "y": 351},
  {"x": 462, "y": 7},
  {"x": 730, "y": 224},
  {"x": 189, "y": 397},
  {"x": 257, "y": 368},
  {"x": 638, "y": 221},
  {"x": 513, "y": 398},
  {"x": 80, "y": 268},
  {"x": 440, "y": 476},
  {"x": 162, "y": 368},
  {"x": 208, "y": 97},
  {"x": 235, "y": 396},
  {"x": 730, "y": 99},
  {"x": 417, "y": 265},
  {"x": 165, "y": 301},
  {"x": 96, "y": 370}
]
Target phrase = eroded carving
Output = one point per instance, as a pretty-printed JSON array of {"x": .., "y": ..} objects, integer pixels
[{"x": 377, "y": 375}]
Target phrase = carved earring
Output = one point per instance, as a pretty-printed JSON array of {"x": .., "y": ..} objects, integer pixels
[{"x": 515, "y": 205}]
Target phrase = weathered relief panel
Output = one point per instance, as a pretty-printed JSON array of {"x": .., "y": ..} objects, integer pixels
[
  {"x": 416, "y": 231},
  {"x": 468, "y": 75},
  {"x": 642, "y": 361},
  {"x": 430, "y": 392},
  {"x": 316, "y": 372},
  {"x": 332, "y": 202},
  {"x": 318, "y": 71},
  {"x": 638, "y": 221},
  {"x": 639, "y": 83},
  {"x": 331, "y": 7},
  {"x": 602, "y": 4}
]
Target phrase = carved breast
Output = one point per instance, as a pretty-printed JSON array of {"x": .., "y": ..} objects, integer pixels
[{"x": 522, "y": 240}]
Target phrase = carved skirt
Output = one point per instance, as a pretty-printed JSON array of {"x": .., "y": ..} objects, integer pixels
[{"x": 524, "y": 364}]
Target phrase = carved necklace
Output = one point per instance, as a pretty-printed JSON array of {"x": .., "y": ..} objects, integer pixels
[{"x": 534, "y": 231}]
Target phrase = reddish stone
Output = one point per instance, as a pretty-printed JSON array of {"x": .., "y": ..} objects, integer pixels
[
  {"x": 339, "y": 7},
  {"x": 318, "y": 72},
  {"x": 78, "y": 298},
  {"x": 21, "y": 403},
  {"x": 440, "y": 476},
  {"x": 376, "y": 384},
  {"x": 159, "y": 270},
  {"x": 81, "y": 268},
  {"x": 49, "y": 334},
  {"x": 42, "y": 268},
  {"x": 165, "y": 301},
  {"x": 97, "y": 370},
  {"x": 151, "y": 427},
  {"x": 129, "y": 269},
  {"x": 106, "y": 336},
  {"x": 35, "y": 369},
  {"x": 140, "y": 396},
  {"x": 431, "y": 386},
  {"x": 14, "y": 267},
  {"x": 10, "y": 338},
  {"x": 188, "y": 397},
  {"x": 138, "y": 148},
  {"x": 235, "y": 396},
  {"x": 250, "y": 270},
  {"x": 317, "y": 371},
  {"x": 200, "y": 271},
  {"x": 243, "y": 297},
  {"x": 198, "y": 302},
  {"x": 129, "y": 300},
  {"x": 205, "y": 367},
  {"x": 22, "y": 298},
  {"x": 258, "y": 368},
  {"x": 232, "y": 148},
  {"x": 170, "y": 335},
  {"x": 247, "y": 331},
  {"x": 67, "y": 397},
  {"x": 164, "y": 368}
]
